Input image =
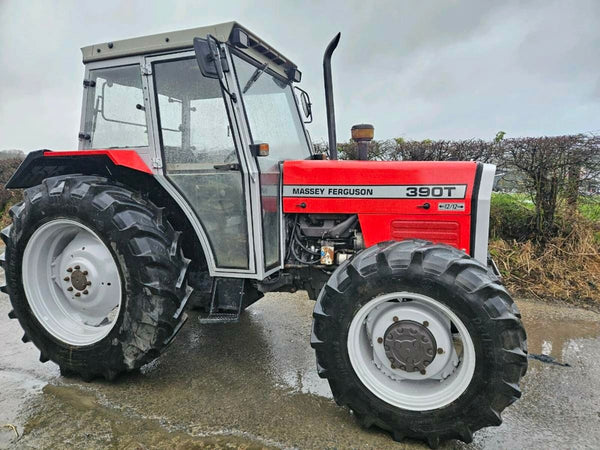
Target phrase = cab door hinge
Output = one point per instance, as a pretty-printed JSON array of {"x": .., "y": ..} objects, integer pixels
[
  {"x": 147, "y": 70},
  {"x": 157, "y": 163},
  {"x": 89, "y": 83}
]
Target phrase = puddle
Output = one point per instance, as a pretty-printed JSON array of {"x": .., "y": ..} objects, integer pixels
[
  {"x": 551, "y": 328},
  {"x": 69, "y": 417}
]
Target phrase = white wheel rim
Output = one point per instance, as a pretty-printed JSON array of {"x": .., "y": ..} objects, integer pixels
[
  {"x": 71, "y": 282},
  {"x": 448, "y": 375}
]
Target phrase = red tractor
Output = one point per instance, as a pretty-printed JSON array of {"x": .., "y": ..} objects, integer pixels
[{"x": 196, "y": 182}]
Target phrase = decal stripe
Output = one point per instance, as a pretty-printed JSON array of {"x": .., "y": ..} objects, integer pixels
[{"x": 408, "y": 191}]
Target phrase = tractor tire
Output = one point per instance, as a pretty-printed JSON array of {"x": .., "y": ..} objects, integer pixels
[
  {"x": 95, "y": 275},
  {"x": 373, "y": 345}
]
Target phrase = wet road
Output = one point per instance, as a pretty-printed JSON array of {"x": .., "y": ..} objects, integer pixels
[{"x": 254, "y": 385}]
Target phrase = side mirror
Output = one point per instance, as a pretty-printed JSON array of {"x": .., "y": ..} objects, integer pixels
[
  {"x": 207, "y": 55},
  {"x": 306, "y": 104},
  {"x": 205, "y": 59},
  {"x": 212, "y": 64}
]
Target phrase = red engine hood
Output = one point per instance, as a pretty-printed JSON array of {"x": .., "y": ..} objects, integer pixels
[
  {"x": 393, "y": 200},
  {"x": 377, "y": 187}
]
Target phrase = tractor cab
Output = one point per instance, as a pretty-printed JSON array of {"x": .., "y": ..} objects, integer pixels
[{"x": 214, "y": 139}]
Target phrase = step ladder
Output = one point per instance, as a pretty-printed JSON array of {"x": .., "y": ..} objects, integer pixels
[{"x": 227, "y": 298}]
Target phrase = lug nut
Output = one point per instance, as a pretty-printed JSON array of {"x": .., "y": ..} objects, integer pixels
[
  {"x": 85, "y": 272},
  {"x": 70, "y": 288},
  {"x": 85, "y": 292},
  {"x": 426, "y": 323},
  {"x": 423, "y": 372},
  {"x": 395, "y": 319},
  {"x": 66, "y": 278},
  {"x": 89, "y": 283},
  {"x": 69, "y": 270},
  {"x": 440, "y": 351},
  {"x": 77, "y": 294},
  {"x": 77, "y": 267},
  {"x": 379, "y": 340}
]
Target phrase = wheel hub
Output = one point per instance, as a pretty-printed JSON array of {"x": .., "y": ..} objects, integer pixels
[
  {"x": 409, "y": 346},
  {"x": 79, "y": 280}
]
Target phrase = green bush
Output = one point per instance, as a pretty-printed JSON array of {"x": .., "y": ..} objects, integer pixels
[
  {"x": 512, "y": 217},
  {"x": 589, "y": 207}
]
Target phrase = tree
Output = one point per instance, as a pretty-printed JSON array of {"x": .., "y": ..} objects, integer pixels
[{"x": 553, "y": 166}]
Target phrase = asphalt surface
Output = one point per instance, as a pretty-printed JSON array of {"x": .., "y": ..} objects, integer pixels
[{"x": 254, "y": 385}]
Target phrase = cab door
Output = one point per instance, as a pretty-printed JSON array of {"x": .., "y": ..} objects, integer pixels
[{"x": 200, "y": 158}]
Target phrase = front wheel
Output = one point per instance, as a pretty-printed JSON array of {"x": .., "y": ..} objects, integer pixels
[{"x": 420, "y": 340}]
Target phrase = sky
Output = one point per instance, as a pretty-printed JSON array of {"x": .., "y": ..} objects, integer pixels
[{"x": 414, "y": 69}]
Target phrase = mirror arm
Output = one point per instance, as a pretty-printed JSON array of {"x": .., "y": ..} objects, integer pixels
[{"x": 216, "y": 55}]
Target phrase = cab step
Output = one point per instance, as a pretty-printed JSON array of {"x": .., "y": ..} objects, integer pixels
[{"x": 227, "y": 299}]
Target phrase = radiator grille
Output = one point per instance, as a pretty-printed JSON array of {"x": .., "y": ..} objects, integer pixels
[{"x": 435, "y": 231}]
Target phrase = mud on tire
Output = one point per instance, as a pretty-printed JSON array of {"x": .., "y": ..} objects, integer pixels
[
  {"x": 459, "y": 282},
  {"x": 151, "y": 266}
]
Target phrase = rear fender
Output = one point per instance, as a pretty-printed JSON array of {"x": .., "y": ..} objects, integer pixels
[{"x": 42, "y": 164}]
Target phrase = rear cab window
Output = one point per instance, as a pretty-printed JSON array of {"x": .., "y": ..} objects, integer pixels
[{"x": 115, "y": 115}]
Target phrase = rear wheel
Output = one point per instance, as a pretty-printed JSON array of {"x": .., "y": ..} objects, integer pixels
[
  {"x": 420, "y": 340},
  {"x": 95, "y": 275}
]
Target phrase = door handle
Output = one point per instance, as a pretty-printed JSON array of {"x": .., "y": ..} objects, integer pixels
[{"x": 229, "y": 166}]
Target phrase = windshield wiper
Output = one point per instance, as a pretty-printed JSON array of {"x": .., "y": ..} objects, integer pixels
[{"x": 255, "y": 76}]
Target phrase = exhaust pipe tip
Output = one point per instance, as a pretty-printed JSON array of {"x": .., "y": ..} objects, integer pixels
[{"x": 329, "y": 95}]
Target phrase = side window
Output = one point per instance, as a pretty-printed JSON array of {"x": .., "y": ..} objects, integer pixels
[
  {"x": 115, "y": 117},
  {"x": 193, "y": 119}
]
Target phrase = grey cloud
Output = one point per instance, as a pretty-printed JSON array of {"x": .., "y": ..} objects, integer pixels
[{"x": 416, "y": 69}]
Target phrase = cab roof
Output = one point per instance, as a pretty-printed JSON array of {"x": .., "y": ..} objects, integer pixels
[{"x": 183, "y": 39}]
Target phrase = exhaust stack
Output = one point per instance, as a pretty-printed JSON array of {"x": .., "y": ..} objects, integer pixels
[{"x": 329, "y": 95}]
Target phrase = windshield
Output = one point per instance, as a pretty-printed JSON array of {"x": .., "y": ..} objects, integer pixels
[{"x": 272, "y": 112}]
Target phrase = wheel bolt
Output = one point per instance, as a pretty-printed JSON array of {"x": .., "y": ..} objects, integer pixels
[
  {"x": 85, "y": 292},
  {"x": 70, "y": 288},
  {"x": 85, "y": 272},
  {"x": 440, "y": 351},
  {"x": 69, "y": 270},
  {"x": 423, "y": 372},
  {"x": 66, "y": 278},
  {"x": 426, "y": 323},
  {"x": 77, "y": 294},
  {"x": 379, "y": 340},
  {"x": 395, "y": 319}
]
